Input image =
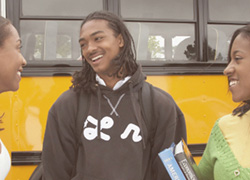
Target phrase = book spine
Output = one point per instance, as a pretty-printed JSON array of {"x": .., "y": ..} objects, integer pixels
[
  {"x": 171, "y": 165},
  {"x": 186, "y": 167}
]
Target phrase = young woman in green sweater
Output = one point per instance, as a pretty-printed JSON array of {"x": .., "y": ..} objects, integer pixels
[{"x": 227, "y": 153}]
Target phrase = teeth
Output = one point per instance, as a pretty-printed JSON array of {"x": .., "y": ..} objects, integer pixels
[
  {"x": 97, "y": 57},
  {"x": 19, "y": 73},
  {"x": 231, "y": 83}
]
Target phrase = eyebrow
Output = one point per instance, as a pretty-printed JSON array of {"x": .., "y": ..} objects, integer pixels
[
  {"x": 93, "y": 34},
  {"x": 235, "y": 52}
]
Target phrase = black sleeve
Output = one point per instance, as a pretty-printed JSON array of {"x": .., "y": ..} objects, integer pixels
[
  {"x": 170, "y": 128},
  {"x": 181, "y": 132}
]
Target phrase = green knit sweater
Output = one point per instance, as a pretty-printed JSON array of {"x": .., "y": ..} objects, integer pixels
[{"x": 218, "y": 161}]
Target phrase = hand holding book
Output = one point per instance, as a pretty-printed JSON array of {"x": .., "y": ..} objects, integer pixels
[{"x": 179, "y": 162}]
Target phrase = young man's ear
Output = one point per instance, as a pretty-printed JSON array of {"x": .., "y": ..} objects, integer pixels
[{"x": 121, "y": 41}]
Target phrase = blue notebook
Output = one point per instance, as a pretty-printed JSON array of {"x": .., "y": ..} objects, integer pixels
[{"x": 171, "y": 164}]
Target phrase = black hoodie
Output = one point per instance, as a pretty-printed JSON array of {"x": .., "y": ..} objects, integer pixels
[{"x": 115, "y": 139}]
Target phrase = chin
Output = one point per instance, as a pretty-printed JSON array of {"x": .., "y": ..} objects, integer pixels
[
  {"x": 15, "y": 88},
  {"x": 236, "y": 100}
]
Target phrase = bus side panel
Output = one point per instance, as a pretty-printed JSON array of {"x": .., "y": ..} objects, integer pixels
[
  {"x": 202, "y": 98},
  {"x": 25, "y": 117}
]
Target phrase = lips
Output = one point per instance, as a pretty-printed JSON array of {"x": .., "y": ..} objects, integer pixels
[
  {"x": 96, "y": 57},
  {"x": 19, "y": 72},
  {"x": 233, "y": 83}
]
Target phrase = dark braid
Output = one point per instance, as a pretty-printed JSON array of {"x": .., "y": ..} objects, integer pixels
[
  {"x": 242, "y": 108},
  {"x": 1, "y": 121}
]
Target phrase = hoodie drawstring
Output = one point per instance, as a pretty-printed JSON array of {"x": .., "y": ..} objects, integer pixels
[
  {"x": 114, "y": 107},
  {"x": 99, "y": 112}
]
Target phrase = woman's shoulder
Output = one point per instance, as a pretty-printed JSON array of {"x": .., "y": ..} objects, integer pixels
[
  {"x": 228, "y": 121},
  {"x": 232, "y": 120},
  {"x": 221, "y": 123}
]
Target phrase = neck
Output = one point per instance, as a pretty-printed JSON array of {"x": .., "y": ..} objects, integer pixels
[{"x": 110, "y": 81}]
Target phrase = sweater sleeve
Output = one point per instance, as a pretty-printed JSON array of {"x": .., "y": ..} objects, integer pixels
[
  {"x": 59, "y": 146},
  {"x": 206, "y": 165},
  {"x": 167, "y": 114}
]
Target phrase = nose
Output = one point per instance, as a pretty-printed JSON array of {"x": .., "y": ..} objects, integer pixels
[
  {"x": 24, "y": 62},
  {"x": 91, "y": 47},
  {"x": 229, "y": 69}
]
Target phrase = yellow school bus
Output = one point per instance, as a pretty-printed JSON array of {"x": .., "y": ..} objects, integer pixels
[{"x": 181, "y": 45}]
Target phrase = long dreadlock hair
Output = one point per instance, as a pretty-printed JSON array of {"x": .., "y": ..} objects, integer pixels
[
  {"x": 125, "y": 61},
  {"x": 245, "y": 32}
]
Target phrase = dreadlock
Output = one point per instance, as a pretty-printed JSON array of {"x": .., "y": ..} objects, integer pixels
[{"x": 1, "y": 121}]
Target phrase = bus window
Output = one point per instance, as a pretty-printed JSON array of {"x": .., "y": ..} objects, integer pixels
[
  {"x": 156, "y": 48},
  {"x": 156, "y": 37},
  {"x": 221, "y": 25},
  {"x": 50, "y": 40},
  {"x": 2, "y": 8},
  {"x": 60, "y": 7},
  {"x": 163, "y": 41},
  {"x": 160, "y": 9},
  {"x": 232, "y": 10},
  {"x": 48, "y": 32},
  {"x": 218, "y": 41}
]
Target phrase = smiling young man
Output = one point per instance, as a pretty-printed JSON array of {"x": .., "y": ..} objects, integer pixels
[{"x": 116, "y": 142}]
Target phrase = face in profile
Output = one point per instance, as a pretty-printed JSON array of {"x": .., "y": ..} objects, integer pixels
[
  {"x": 11, "y": 61},
  {"x": 238, "y": 70},
  {"x": 99, "y": 45}
]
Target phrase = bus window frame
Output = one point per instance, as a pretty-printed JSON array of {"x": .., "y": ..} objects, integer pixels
[{"x": 200, "y": 23}]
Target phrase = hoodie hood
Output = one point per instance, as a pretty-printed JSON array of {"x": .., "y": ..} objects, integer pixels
[{"x": 136, "y": 80}]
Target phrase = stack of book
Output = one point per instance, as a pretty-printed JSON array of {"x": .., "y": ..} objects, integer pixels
[{"x": 179, "y": 162}]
